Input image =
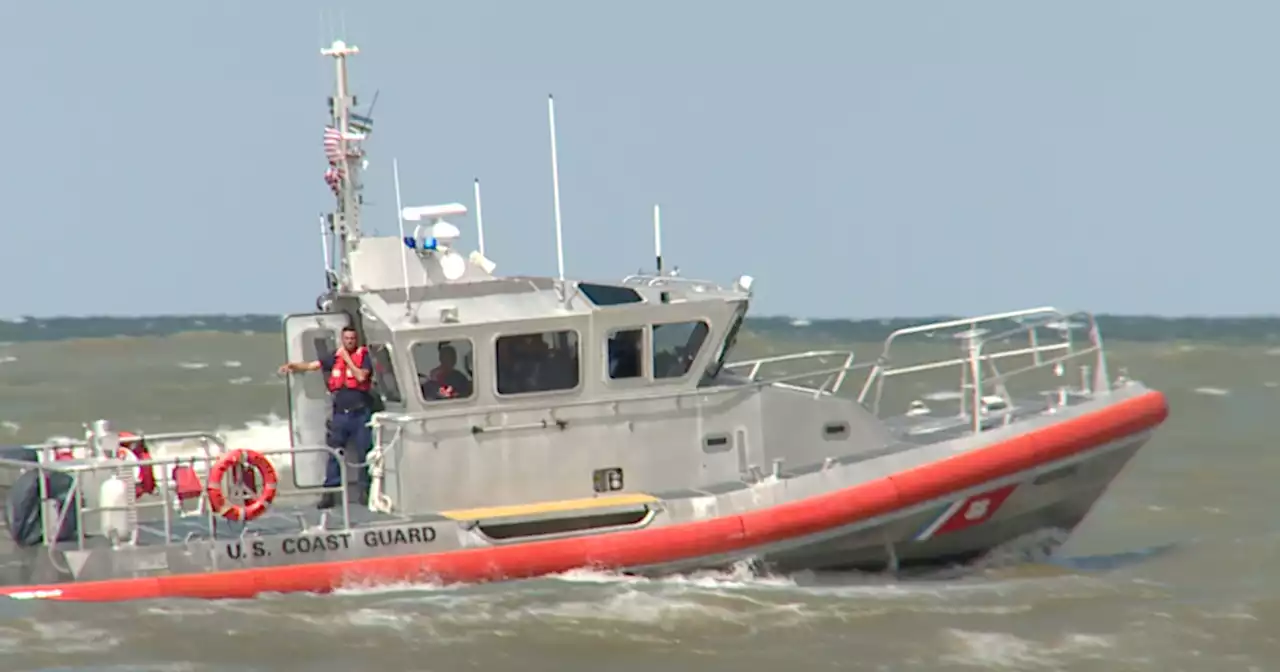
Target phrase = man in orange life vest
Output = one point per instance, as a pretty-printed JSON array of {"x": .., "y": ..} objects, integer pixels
[{"x": 349, "y": 377}]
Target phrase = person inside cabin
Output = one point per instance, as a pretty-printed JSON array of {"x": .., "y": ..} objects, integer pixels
[
  {"x": 520, "y": 362},
  {"x": 504, "y": 360},
  {"x": 446, "y": 381},
  {"x": 539, "y": 370},
  {"x": 348, "y": 374},
  {"x": 624, "y": 354}
]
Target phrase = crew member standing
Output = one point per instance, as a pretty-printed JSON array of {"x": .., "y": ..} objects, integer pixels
[{"x": 349, "y": 377}]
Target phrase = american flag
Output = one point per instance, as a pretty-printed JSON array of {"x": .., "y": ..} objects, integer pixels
[
  {"x": 333, "y": 178},
  {"x": 332, "y": 144}
]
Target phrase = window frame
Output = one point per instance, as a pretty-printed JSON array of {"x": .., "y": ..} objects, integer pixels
[
  {"x": 493, "y": 359},
  {"x": 653, "y": 353},
  {"x": 391, "y": 366},
  {"x": 646, "y": 357},
  {"x": 727, "y": 343},
  {"x": 331, "y": 342},
  {"x": 417, "y": 386}
]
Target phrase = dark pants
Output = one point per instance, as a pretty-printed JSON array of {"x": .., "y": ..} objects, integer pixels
[{"x": 349, "y": 431}]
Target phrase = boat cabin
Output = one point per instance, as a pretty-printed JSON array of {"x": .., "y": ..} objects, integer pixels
[
  {"x": 503, "y": 390},
  {"x": 500, "y": 391}
]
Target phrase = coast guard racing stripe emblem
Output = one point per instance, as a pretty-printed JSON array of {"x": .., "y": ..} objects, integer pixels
[{"x": 965, "y": 513}]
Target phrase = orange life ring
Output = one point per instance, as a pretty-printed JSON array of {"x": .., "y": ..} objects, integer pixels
[
  {"x": 133, "y": 447},
  {"x": 253, "y": 508}
]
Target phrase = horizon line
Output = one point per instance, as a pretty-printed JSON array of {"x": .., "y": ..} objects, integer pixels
[{"x": 18, "y": 319}]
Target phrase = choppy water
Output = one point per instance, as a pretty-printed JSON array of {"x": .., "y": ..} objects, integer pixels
[{"x": 1175, "y": 570}]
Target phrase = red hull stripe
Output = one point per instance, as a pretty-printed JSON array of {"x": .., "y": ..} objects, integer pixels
[{"x": 656, "y": 545}]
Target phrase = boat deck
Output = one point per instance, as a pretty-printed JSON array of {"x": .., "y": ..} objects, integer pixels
[{"x": 937, "y": 427}]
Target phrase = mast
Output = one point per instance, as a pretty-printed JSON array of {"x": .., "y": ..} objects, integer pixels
[{"x": 343, "y": 137}]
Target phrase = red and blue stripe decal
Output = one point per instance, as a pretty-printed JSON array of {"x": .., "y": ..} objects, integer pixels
[{"x": 967, "y": 512}]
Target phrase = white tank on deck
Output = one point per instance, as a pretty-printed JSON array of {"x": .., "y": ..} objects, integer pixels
[{"x": 114, "y": 494}]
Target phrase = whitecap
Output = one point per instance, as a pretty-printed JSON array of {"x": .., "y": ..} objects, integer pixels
[
  {"x": 1003, "y": 650},
  {"x": 1212, "y": 391}
]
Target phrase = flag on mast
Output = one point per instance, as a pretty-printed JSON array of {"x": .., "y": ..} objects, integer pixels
[{"x": 333, "y": 144}]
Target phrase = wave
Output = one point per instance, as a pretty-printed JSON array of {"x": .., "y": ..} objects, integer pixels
[{"x": 1212, "y": 391}]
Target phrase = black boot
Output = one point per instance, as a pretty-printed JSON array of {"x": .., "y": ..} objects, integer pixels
[{"x": 327, "y": 501}]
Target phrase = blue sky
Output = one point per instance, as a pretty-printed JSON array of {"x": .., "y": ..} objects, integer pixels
[{"x": 858, "y": 159}]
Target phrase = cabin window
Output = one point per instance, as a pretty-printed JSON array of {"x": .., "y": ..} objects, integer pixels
[
  {"x": 609, "y": 295},
  {"x": 537, "y": 362},
  {"x": 625, "y": 352},
  {"x": 316, "y": 343},
  {"x": 384, "y": 374},
  {"x": 675, "y": 346},
  {"x": 445, "y": 369}
]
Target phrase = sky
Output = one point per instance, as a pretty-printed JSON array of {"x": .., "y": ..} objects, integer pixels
[{"x": 857, "y": 159}]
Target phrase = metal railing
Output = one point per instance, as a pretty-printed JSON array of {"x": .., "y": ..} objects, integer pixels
[
  {"x": 652, "y": 280},
  {"x": 975, "y": 355},
  {"x": 551, "y": 406},
  {"x": 831, "y": 383},
  {"x": 166, "y": 499},
  {"x": 48, "y": 449},
  {"x": 1030, "y": 322}
]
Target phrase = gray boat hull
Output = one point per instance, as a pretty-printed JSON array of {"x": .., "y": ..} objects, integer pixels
[{"x": 911, "y": 506}]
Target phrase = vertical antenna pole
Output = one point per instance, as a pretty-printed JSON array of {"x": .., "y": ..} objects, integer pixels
[
  {"x": 555, "y": 186},
  {"x": 324, "y": 247},
  {"x": 404, "y": 255},
  {"x": 657, "y": 236},
  {"x": 479, "y": 218}
]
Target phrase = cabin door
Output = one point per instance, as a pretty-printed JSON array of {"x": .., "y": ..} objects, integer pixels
[{"x": 307, "y": 337}]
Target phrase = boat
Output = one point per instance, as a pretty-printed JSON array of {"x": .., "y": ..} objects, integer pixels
[{"x": 586, "y": 425}]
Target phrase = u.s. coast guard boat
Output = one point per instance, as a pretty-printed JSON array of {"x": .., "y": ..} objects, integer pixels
[{"x": 533, "y": 425}]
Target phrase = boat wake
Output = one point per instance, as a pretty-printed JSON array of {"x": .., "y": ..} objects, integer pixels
[{"x": 712, "y": 611}]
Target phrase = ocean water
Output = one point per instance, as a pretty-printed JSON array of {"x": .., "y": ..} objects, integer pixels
[{"x": 1176, "y": 569}]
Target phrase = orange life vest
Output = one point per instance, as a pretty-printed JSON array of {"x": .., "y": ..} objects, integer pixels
[
  {"x": 341, "y": 378},
  {"x": 439, "y": 374}
]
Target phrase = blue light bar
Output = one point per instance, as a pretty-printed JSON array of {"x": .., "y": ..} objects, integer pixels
[{"x": 428, "y": 245}]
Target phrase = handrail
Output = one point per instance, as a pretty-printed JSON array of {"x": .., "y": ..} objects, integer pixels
[
  {"x": 715, "y": 390},
  {"x": 970, "y": 322},
  {"x": 836, "y": 384},
  {"x": 884, "y": 360},
  {"x": 206, "y": 437},
  {"x": 973, "y": 384},
  {"x": 879, "y": 370},
  {"x": 166, "y": 499},
  {"x": 650, "y": 280}
]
